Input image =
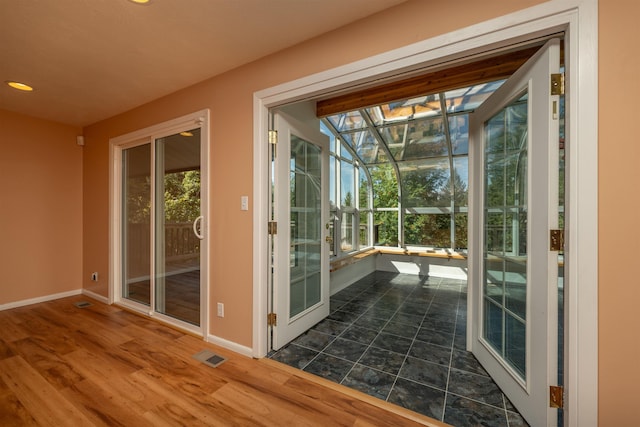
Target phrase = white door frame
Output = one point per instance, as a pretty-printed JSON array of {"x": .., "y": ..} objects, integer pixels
[
  {"x": 149, "y": 135},
  {"x": 579, "y": 20}
]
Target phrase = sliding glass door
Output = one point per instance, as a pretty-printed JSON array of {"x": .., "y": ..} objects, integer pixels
[{"x": 162, "y": 233}]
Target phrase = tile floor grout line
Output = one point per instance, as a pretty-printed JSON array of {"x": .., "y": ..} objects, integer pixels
[
  {"x": 453, "y": 342},
  {"x": 374, "y": 338},
  {"x": 406, "y": 356}
]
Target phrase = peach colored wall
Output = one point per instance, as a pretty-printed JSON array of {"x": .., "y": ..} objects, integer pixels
[
  {"x": 619, "y": 207},
  {"x": 229, "y": 97},
  {"x": 40, "y": 215}
]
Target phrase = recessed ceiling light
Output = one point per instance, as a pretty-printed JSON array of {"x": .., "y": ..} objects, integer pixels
[
  {"x": 140, "y": 1},
  {"x": 19, "y": 86}
]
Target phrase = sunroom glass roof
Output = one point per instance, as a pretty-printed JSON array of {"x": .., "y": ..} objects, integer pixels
[{"x": 422, "y": 127}]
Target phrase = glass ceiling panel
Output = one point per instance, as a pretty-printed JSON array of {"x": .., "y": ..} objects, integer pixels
[
  {"x": 417, "y": 139},
  {"x": 345, "y": 122},
  {"x": 414, "y": 108},
  {"x": 459, "y": 133},
  {"x": 366, "y": 146},
  {"x": 469, "y": 98}
]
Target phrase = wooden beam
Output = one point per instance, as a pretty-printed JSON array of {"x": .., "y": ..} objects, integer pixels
[{"x": 456, "y": 77}]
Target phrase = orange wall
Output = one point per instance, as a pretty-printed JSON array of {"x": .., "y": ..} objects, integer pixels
[
  {"x": 40, "y": 167},
  {"x": 619, "y": 207},
  {"x": 230, "y": 98},
  {"x": 40, "y": 214}
]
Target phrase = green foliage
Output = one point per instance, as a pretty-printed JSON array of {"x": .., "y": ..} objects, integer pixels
[
  {"x": 138, "y": 194},
  {"x": 421, "y": 188},
  {"x": 182, "y": 196}
]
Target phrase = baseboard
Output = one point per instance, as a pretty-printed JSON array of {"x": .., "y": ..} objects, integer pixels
[
  {"x": 37, "y": 300},
  {"x": 230, "y": 345},
  {"x": 95, "y": 296}
]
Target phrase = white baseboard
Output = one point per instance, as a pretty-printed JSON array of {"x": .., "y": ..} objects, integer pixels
[
  {"x": 95, "y": 296},
  {"x": 37, "y": 300},
  {"x": 230, "y": 345}
]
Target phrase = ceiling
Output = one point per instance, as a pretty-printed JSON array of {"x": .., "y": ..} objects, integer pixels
[{"x": 92, "y": 59}]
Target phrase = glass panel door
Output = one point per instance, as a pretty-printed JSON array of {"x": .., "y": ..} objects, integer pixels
[
  {"x": 136, "y": 224},
  {"x": 300, "y": 247},
  {"x": 177, "y": 221},
  {"x": 505, "y": 227},
  {"x": 306, "y": 225},
  {"x": 513, "y": 274}
]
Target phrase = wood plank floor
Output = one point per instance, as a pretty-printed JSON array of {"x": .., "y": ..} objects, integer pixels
[{"x": 102, "y": 366}]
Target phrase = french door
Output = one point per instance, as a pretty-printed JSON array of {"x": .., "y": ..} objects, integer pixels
[
  {"x": 162, "y": 237},
  {"x": 300, "y": 250},
  {"x": 513, "y": 272}
]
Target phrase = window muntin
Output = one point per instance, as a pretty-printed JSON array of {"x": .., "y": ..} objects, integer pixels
[{"x": 415, "y": 152}]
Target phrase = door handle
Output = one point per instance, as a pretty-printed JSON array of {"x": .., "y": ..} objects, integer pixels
[
  {"x": 198, "y": 221},
  {"x": 328, "y": 239}
]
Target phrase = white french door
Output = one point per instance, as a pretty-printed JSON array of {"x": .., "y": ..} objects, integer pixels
[
  {"x": 300, "y": 252},
  {"x": 159, "y": 200},
  {"x": 514, "y": 199}
]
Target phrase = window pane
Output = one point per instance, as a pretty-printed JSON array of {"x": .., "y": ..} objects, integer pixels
[
  {"x": 419, "y": 107},
  {"x": 332, "y": 182},
  {"x": 428, "y": 230},
  {"x": 459, "y": 132},
  {"x": 364, "y": 230},
  {"x": 347, "y": 121},
  {"x": 363, "y": 189},
  {"x": 366, "y": 146},
  {"x": 346, "y": 230},
  {"x": 385, "y": 186},
  {"x": 468, "y": 99},
  {"x": 426, "y": 183},
  {"x": 461, "y": 181},
  {"x": 347, "y": 190},
  {"x": 136, "y": 227},
  {"x": 461, "y": 232},
  {"x": 386, "y": 228},
  {"x": 344, "y": 152},
  {"x": 425, "y": 138}
]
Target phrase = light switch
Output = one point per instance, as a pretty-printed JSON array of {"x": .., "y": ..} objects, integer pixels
[{"x": 244, "y": 203}]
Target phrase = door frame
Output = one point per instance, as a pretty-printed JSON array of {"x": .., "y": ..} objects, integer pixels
[
  {"x": 149, "y": 135},
  {"x": 579, "y": 21}
]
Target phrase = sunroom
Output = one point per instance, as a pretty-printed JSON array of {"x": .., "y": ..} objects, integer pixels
[{"x": 418, "y": 189}]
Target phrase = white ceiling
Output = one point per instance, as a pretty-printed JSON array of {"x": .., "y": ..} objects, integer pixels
[{"x": 91, "y": 59}]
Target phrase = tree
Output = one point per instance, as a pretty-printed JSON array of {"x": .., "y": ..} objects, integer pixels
[{"x": 182, "y": 196}]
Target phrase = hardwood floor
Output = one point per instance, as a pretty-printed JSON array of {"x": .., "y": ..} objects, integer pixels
[{"x": 102, "y": 366}]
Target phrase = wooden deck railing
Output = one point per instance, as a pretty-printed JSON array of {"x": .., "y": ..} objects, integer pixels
[{"x": 181, "y": 247}]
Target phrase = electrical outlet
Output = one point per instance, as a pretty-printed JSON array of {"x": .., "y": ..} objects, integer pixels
[
  {"x": 244, "y": 203},
  {"x": 220, "y": 309},
  {"x": 94, "y": 276}
]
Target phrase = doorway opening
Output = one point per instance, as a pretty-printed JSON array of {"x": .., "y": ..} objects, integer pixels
[{"x": 398, "y": 186}]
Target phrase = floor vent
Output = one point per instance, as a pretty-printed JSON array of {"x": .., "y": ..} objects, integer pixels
[
  {"x": 209, "y": 358},
  {"x": 82, "y": 304}
]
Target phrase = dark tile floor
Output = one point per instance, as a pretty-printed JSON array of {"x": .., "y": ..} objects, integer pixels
[{"x": 401, "y": 338}]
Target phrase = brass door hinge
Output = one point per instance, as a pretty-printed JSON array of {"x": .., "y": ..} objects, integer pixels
[
  {"x": 557, "y": 84},
  {"x": 556, "y": 396},
  {"x": 556, "y": 240},
  {"x": 272, "y": 228},
  {"x": 273, "y": 137},
  {"x": 272, "y": 319}
]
